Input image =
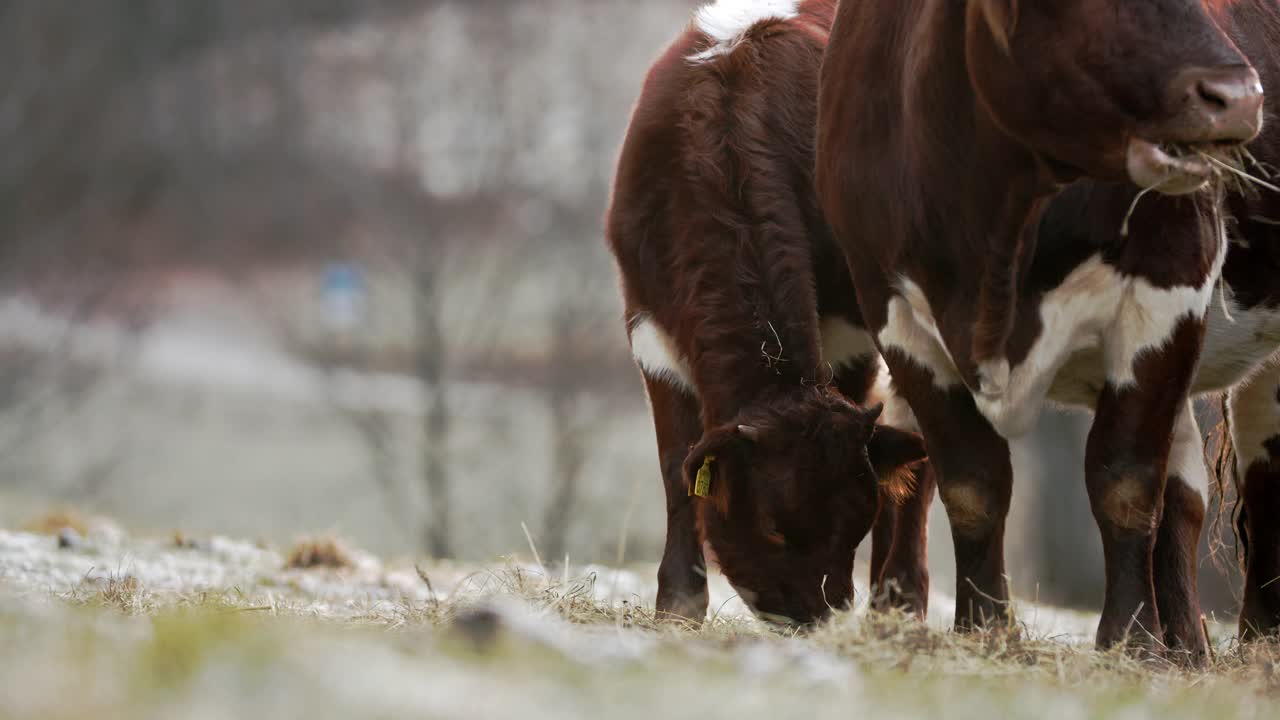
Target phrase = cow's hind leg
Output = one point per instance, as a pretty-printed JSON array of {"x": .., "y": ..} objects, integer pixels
[
  {"x": 1174, "y": 562},
  {"x": 682, "y": 575},
  {"x": 974, "y": 476},
  {"x": 1255, "y": 431}
]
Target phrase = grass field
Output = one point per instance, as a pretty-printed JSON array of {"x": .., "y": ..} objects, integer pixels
[{"x": 95, "y": 623}]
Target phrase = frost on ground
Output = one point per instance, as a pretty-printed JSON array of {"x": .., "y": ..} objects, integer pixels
[{"x": 100, "y": 624}]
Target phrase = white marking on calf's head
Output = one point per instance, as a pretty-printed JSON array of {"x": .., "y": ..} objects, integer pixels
[
  {"x": 726, "y": 22},
  {"x": 656, "y": 353}
]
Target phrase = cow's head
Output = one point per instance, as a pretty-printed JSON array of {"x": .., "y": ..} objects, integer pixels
[
  {"x": 1114, "y": 89},
  {"x": 789, "y": 489}
]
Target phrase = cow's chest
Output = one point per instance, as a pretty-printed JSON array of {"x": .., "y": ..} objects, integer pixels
[
  {"x": 1091, "y": 329},
  {"x": 1237, "y": 341}
]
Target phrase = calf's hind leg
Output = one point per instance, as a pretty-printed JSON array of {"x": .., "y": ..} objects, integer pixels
[{"x": 682, "y": 575}]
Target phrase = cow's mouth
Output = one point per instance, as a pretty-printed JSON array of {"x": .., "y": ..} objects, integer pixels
[{"x": 1169, "y": 169}]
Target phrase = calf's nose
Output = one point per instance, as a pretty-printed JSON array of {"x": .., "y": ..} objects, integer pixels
[{"x": 1219, "y": 104}]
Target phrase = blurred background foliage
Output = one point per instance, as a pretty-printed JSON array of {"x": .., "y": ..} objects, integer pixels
[{"x": 276, "y": 266}]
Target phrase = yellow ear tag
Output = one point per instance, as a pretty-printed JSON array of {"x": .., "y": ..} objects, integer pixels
[{"x": 702, "y": 485}]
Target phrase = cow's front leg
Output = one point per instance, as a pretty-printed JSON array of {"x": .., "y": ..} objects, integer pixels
[
  {"x": 682, "y": 575},
  {"x": 1177, "y": 542},
  {"x": 1125, "y": 462},
  {"x": 974, "y": 475},
  {"x": 1255, "y": 431}
]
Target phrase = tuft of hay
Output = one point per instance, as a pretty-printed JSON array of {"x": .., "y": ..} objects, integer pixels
[
  {"x": 1235, "y": 170},
  {"x": 58, "y": 521},
  {"x": 319, "y": 552},
  {"x": 124, "y": 593}
]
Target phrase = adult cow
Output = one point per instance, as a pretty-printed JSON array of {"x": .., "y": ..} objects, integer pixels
[
  {"x": 945, "y": 129},
  {"x": 738, "y": 310}
]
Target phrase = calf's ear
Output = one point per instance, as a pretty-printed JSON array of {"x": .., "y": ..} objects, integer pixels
[{"x": 721, "y": 447}]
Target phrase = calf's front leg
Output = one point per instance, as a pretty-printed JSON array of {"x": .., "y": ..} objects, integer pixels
[
  {"x": 1174, "y": 562},
  {"x": 682, "y": 575},
  {"x": 900, "y": 548}
]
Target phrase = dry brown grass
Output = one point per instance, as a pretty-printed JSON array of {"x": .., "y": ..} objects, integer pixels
[
  {"x": 57, "y": 521},
  {"x": 893, "y": 642},
  {"x": 319, "y": 552}
]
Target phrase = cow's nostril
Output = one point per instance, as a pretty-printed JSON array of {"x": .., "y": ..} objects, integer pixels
[
  {"x": 1213, "y": 104},
  {"x": 1213, "y": 97}
]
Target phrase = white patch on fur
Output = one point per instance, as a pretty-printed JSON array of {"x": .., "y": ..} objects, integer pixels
[
  {"x": 1149, "y": 317},
  {"x": 726, "y": 22},
  {"x": 993, "y": 377},
  {"x": 1255, "y": 415},
  {"x": 842, "y": 343},
  {"x": 657, "y": 355},
  {"x": 1235, "y": 346},
  {"x": 1094, "y": 307},
  {"x": 1073, "y": 317},
  {"x": 897, "y": 413},
  {"x": 1186, "y": 456},
  {"x": 912, "y": 331}
]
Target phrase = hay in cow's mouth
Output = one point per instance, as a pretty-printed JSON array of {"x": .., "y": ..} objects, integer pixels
[
  {"x": 1231, "y": 165},
  {"x": 1227, "y": 169}
]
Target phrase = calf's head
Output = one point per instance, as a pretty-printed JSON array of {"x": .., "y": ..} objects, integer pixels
[
  {"x": 788, "y": 490},
  {"x": 1114, "y": 89}
]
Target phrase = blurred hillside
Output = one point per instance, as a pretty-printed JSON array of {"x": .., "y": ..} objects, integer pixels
[{"x": 277, "y": 266}]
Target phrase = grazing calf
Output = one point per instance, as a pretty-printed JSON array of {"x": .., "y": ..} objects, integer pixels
[
  {"x": 945, "y": 129},
  {"x": 741, "y": 318}
]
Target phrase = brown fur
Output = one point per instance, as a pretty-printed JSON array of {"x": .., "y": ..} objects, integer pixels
[
  {"x": 1260, "y": 612},
  {"x": 720, "y": 242},
  {"x": 1091, "y": 211},
  {"x": 945, "y": 130}
]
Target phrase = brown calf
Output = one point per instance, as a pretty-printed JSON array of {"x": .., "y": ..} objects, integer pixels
[
  {"x": 945, "y": 129},
  {"x": 740, "y": 315}
]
